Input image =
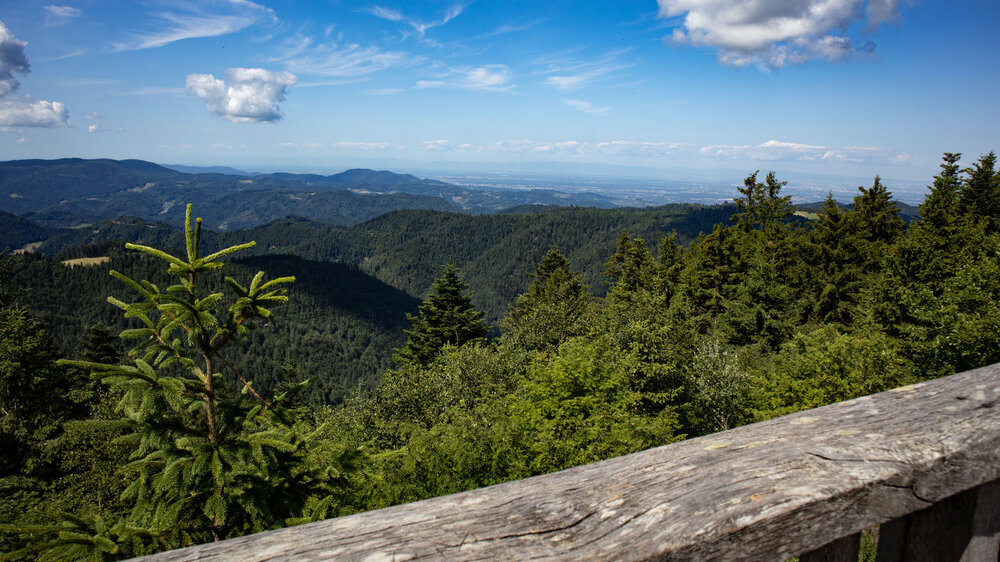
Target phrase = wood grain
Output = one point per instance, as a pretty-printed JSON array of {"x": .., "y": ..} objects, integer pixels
[{"x": 766, "y": 491}]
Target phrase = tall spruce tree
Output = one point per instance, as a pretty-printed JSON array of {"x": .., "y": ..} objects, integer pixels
[
  {"x": 939, "y": 207},
  {"x": 553, "y": 309},
  {"x": 979, "y": 194},
  {"x": 446, "y": 317},
  {"x": 761, "y": 206}
]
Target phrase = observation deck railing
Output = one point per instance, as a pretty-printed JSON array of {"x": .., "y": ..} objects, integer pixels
[{"x": 922, "y": 461}]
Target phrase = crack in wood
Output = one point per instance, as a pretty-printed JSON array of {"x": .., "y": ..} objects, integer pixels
[{"x": 912, "y": 489}]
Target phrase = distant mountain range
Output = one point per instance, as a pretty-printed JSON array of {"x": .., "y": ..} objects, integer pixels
[{"x": 72, "y": 192}]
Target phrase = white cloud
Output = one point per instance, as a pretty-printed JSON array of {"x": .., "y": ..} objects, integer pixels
[
  {"x": 94, "y": 123},
  {"x": 56, "y": 16},
  {"x": 28, "y": 113},
  {"x": 569, "y": 74},
  {"x": 487, "y": 78},
  {"x": 196, "y": 20},
  {"x": 362, "y": 145},
  {"x": 387, "y": 14},
  {"x": 22, "y": 140},
  {"x": 23, "y": 111},
  {"x": 790, "y": 151},
  {"x": 438, "y": 144},
  {"x": 586, "y": 107},
  {"x": 247, "y": 95},
  {"x": 774, "y": 33},
  {"x": 420, "y": 27},
  {"x": 343, "y": 61}
]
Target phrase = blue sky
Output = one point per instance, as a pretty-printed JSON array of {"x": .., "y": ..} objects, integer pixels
[{"x": 852, "y": 87}]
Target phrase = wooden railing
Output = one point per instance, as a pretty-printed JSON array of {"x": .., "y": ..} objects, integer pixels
[{"x": 921, "y": 461}]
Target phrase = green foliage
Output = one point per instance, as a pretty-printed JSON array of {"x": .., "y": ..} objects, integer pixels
[
  {"x": 825, "y": 366},
  {"x": 979, "y": 194},
  {"x": 446, "y": 318},
  {"x": 583, "y": 405},
  {"x": 760, "y": 206},
  {"x": 554, "y": 308},
  {"x": 722, "y": 387},
  {"x": 205, "y": 464}
]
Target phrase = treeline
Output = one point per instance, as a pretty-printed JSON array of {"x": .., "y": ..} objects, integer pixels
[{"x": 759, "y": 317}]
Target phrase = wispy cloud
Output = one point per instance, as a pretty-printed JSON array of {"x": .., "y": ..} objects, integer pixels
[
  {"x": 773, "y": 33},
  {"x": 420, "y": 27},
  {"x": 586, "y": 107},
  {"x": 301, "y": 55},
  {"x": 568, "y": 74},
  {"x": 247, "y": 95},
  {"x": 509, "y": 28},
  {"x": 56, "y": 16},
  {"x": 197, "y": 20},
  {"x": 488, "y": 78},
  {"x": 384, "y": 91},
  {"x": 153, "y": 91}
]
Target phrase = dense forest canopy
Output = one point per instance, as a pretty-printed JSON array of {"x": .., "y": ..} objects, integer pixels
[{"x": 176, "y": 434}]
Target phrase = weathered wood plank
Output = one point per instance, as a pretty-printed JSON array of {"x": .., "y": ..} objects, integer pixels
[{"x": 766, "y": 491}]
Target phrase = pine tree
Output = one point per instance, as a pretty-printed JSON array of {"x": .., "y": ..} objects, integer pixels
[
  {"x": 553, "y": 309},
  {"x": 979, "y": 194},
  {"x": 875, "y": 217},
  {"x": 631, "y": 267},
  {"x": 939, "y": 208},
  {"x": 835, "y": 280},
  {"x": 446, "y": 317},
  {"x": 761, "y": 207}
]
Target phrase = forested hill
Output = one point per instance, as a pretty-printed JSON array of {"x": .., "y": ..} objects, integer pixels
[
  {"x": 72, "y": 192},
  {"x": 407, "y": 249},
  {"x": 339, "y": 328},
  {"x": 496, "y": 253}
]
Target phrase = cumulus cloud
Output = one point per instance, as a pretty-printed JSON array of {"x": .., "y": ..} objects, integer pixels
[
  {"x": 12, "y": 59},
  {"x": 23, "y": 111},
  {"x": 28, "y": 113},
  {"x": 56, "y": 16},
  {"x": 247, "y": 95},
  {"x": 487, "y": 78},
  {"x": 774, "y": 33}
]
